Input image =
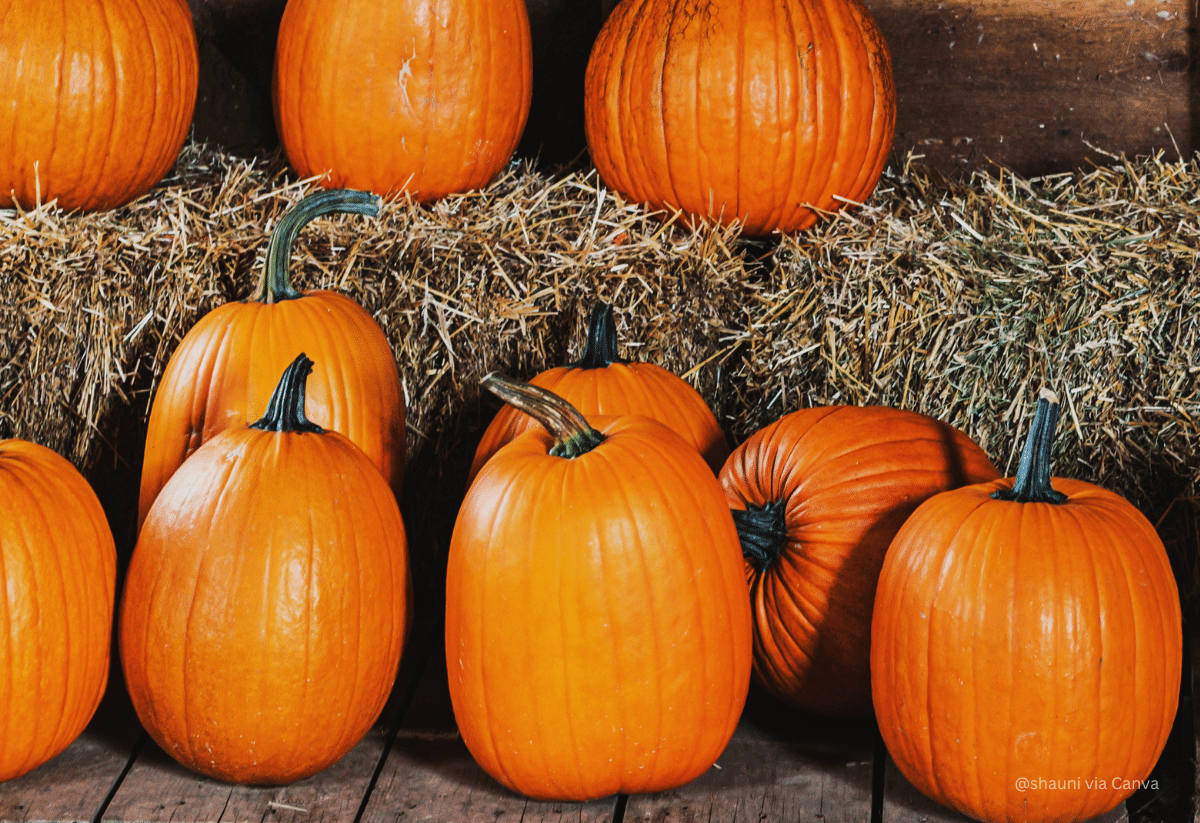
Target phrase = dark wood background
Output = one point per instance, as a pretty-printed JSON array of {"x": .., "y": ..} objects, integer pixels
[
  {"x": 1043, "y": 87},
  {"x": 1038, "y": 87}
]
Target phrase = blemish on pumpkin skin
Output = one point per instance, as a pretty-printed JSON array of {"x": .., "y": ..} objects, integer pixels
[
  {"x": 1029, "y": 746},
  {"x": 405, "y": 75}
]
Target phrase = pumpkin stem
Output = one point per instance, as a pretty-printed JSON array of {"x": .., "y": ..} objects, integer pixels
[
  {"x": 601, "y": 348},
  {"x": 285, "y": 411},
  {"x": 275, "y": 285},
  {"x": 762, "y": 532},
  {"x": 1032, "y": 484},
  {"x": 572, "y": 434}
]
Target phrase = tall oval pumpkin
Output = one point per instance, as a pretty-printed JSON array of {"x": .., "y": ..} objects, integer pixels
[
  {"x": 224, "y": 370},
  {"x": 420, "y": 96},
  {"x": 266, "y": 603},
  {"x": 597, "y": 624},
  {"x": 1026, "y": 645},
  {"x": 754, "y": 110},
  {"x": 97, "y": 98},
  {"x": 58, "y": 572}
]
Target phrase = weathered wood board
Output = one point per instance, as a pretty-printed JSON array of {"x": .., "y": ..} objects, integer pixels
[
  {"x": 780, "y": 765},
  {"x": 159, "y": 789},
  {"x": 1042, "y": 87}
]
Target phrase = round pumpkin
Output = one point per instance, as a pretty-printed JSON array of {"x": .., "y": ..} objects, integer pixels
[
  {"x": 760, "y": 111},
  {"x": 817, "y": 496},
  {"x": 601, "y": 382},
  {"x": 58, "y": 573},
  {"x": 1026, "y": 646},
  {"x": 597, "y": 624},
  {"x": 414, "y": 96},
  {"x": 227, "y": 365},
  {"x": 265, "y": 608},
  {"x": 97, "y": 98}
]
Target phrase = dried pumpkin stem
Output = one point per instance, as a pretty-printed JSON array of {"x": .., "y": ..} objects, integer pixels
[
  {"x": 572, "y": 434},
  {"x": 275, "y": 284},
  {"x": 285, "y": 411},
  {"x": 1032, "y": 483},
  {"x": 601, "y": 348},
  {"x": 762, "y": 531}
]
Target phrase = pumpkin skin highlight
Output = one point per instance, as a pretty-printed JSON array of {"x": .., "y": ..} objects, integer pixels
[
  {"x": 58, "y": 577},
  {"x": 98, "y": 97},
  {"x": 846, "y": 477},
  {"x": 414, "y": 96},
  {"x": 266, "y": 605},
  {"x": 1026, "y": 640},
  {"x": 754, "y": 110},
  {"x": 226, "y": 367},
  {"x": 602, "y": 383},
  {"x": 597, "y": 625}
]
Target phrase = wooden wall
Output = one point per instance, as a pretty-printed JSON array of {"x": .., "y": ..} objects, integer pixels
[
  {"x": 1045, "y": 86},
  {"x": 1039, "y": 86}
]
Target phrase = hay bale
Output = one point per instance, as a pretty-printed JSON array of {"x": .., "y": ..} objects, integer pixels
[{"x": 953, "y": 298}]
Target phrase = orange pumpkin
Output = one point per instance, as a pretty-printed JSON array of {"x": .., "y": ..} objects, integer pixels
[
  {"x": 98, "y": 98},
  {"x": 601, "y": 382},
  {"x": 58, "y": 572},
  {"x": 266, "y": 604},
  {"x": 1026, "y": 647},
  {"x": 225, "y": 368},
  {"x": 417, "y": 96},
  {"x": 817, "y": 496},
  {"x": 597, "y": 624},
  {"x": 752, "y": 110}
]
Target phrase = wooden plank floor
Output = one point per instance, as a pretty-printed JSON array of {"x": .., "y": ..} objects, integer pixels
[{"x": 412, "y": 767}]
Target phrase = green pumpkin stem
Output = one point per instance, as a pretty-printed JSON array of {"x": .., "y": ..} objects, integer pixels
[
  {"x": 1032, "y": 484},
  {"x": 275, "y": 285},
  {"x": 601, "y": 348},
  {"x": 572, "y": 434},
  {"x": 285, "y": 411},
  {"x": 762, "y": 531}
]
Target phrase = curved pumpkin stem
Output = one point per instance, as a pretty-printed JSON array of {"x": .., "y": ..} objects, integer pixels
[
  {"x": 1032, "y": 484},
  {"x": 572, "y": 434},
  {"x": 762, "y": 531},
  {"x": 601, "y": 348},
  {"x": 275, "y": 284},
  {"x": 285, "y": 411}
]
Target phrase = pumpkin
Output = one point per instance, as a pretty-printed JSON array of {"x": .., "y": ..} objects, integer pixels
[
  {"x": 265, "y": 609},
  {"x": 58, "y": 573},
  {"x": 1026, "y": 647},
  {"x": 762, "y": 111},
  {"x": 413, "y": 96},
  {"x": 817, "y": 496},
  {"x": 97, "y": 98},
  {"x": 226, "y": 367},
  {"x": 597, "y": 624},
  {"x": 601, "y": 382}
]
